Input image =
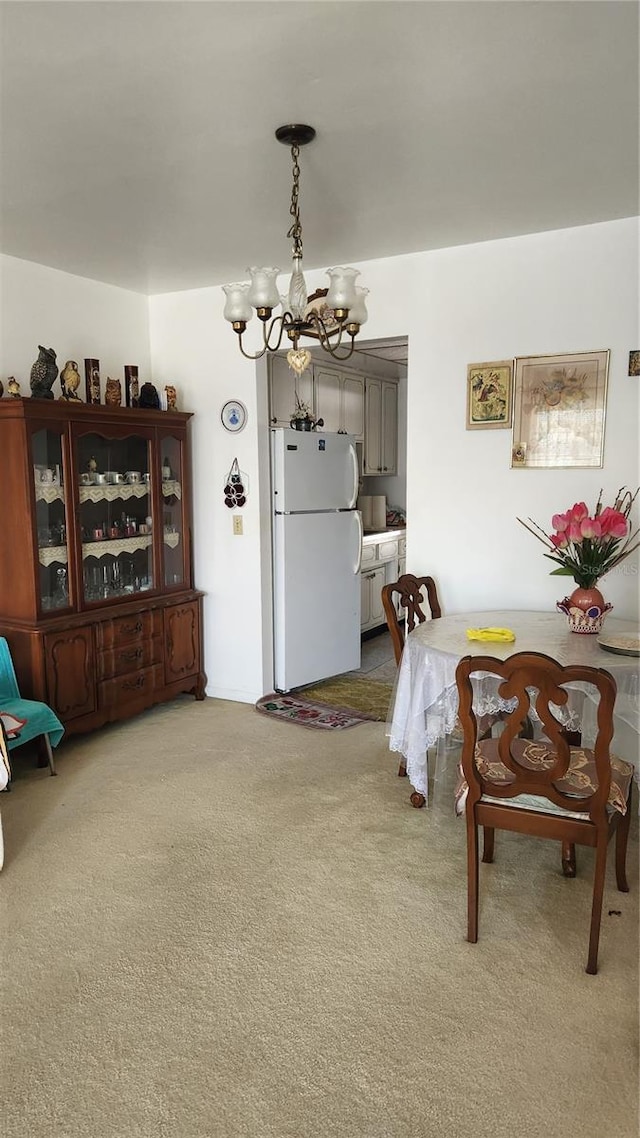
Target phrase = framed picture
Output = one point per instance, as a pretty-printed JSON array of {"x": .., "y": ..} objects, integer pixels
[
  {"x": 489, "y": 395},
  {"x": 559, "y": 405},
  {"x": 634, "y": 363}
]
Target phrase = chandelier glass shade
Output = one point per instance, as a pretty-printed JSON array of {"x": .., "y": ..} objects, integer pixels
[{"x": 333, "y": 316}]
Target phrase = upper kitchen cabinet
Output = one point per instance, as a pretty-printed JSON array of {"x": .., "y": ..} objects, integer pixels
[
  {"x": 96, "y": 575},
  {"x": 340, "y": 400},
  {"x": 381, "y": 427},
  {"x": 282, "y": 388}
]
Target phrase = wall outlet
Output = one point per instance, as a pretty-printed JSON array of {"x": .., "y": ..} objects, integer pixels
[{"x": 237, "y": 524}]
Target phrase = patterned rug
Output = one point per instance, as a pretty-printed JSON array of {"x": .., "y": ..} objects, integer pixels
[{"x": 332, "y": 705}]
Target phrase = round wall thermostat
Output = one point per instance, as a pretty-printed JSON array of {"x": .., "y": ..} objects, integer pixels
[{"x": 233, "y": 415}]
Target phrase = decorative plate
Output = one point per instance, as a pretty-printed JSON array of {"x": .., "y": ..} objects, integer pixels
[
  {"x": 233, "y": 415},
  {"x": 625, "y": 644}
]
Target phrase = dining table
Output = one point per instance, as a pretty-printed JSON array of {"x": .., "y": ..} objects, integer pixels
[{"x": 424, "y": 706}]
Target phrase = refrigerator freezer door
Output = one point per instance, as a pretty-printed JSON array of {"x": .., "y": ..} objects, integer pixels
[
  {"x": 313, "y": 471},
  {"x": 316, "y": 597}
]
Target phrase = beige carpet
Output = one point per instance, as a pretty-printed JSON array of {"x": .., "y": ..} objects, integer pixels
[{"x": 217, "y": 927}]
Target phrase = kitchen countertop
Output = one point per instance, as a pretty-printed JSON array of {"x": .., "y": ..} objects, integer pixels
[{"x": 382, "y": 534}]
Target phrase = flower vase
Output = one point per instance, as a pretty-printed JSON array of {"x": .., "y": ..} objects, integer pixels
[
  {"x": 303, "y": 424},
  {"x": 585, "y": 610}
]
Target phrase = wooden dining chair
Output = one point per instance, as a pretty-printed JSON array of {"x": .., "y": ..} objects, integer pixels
[
  {"x": 412, "y": 593},
  {"x": 546, "y": 788}
]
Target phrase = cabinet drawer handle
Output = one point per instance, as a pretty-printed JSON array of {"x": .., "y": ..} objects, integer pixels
[
  {"x": 132, "y": 628},
  {"x": 132, "y": 654},
  {"x": 132, "y": 685}
]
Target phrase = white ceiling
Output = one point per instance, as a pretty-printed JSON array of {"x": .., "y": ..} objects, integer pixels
[{"x": 137, "y": 138}]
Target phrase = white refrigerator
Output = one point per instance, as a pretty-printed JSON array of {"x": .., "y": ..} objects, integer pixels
[{"x": 317, "y": 544}]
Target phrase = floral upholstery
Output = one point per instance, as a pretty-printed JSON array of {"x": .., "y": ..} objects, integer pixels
[{"x": 580, "y": 780}]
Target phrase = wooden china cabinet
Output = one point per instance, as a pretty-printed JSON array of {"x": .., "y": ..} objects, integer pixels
[{"x": 96, "y": 589}]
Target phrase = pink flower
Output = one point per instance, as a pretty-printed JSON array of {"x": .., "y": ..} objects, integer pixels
[
  {"x": 613, "y": 523},
  {"x": 560, "y": 522},
  {"x": 591, "y": 527},
  {"x": 574, "y": 533},
  {"x": 577, "y": 512},
  {"x": 559, "y": 540}
]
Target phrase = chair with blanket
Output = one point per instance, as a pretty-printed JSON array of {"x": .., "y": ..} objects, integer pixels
[
  {"x": 5, "y": 776},
  {"x": 34, "y": 719},
  {"x": 546, "y": 788}
]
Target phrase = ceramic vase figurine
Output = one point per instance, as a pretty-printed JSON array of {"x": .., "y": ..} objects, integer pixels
[
  {"x": 92, "y": 380},
  {"x": 131, "y": 385},
  {"x": 585, "y": 610},
  {"x": 44, "y": 373}
]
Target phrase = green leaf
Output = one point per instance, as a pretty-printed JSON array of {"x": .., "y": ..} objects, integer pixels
[{"x": 561, "y": 572}]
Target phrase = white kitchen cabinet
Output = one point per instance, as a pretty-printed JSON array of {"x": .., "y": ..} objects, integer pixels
[
  {"x": 282, "y": 391},
  {"x": 381, "y": 427},
  {"x": 371, "y": 611},
  {"x": 380, "y": 559},
  {"x": 340, "y": 400}
]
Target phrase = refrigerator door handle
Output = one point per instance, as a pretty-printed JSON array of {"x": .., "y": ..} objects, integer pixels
[
  {"x": 358, "y": 567},
  {"x": 356, "y": 474}
]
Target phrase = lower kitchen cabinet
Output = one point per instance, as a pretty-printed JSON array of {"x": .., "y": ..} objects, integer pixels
[
  {"x": 382, "y": 555},
  {"x": 371, "y": 611}
]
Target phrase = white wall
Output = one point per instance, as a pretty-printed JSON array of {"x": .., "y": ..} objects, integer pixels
[
  {"x": 573, "y": 290},
  {"x": 78, "y": 318},
  {"x": 570, "y": 290}
]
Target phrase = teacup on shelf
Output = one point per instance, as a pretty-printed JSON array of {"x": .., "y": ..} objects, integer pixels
[
  {"x": 133, "y": 476},
  {"x": 114, "y": 477},
  {"x": 100, "y": 479}
]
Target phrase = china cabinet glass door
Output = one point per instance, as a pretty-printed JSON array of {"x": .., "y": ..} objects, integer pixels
[
  {"x": 172, "y": 510},
  {"x": 51, "y": 518},
  {"x": 116, "y": 515}
]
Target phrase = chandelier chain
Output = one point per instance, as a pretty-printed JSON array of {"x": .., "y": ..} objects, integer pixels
[{"x": 296, "y": 229}]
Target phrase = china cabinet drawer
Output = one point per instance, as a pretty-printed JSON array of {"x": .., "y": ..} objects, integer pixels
[
  {"x": 126, "y": 658},
  {"x": 127, "y": 629},
  {"x": 369, "y": 554},
  {"x": 135, "y": 685},
  {"x": 402, "y": 547}
]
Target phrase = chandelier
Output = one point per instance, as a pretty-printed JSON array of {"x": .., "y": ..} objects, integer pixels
[{"x": 331, "y": 316}]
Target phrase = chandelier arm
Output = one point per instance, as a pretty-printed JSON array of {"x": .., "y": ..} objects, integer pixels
[
  {"x": 323, "y": 333},
  {"x": 333, "y": 352},
  {"x": 266, "y": 336},
  {"x": 267, "y": 333},
  {"x": 249, "y": 355}
]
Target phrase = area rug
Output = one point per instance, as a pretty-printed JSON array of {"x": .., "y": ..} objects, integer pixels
[{"x": 333, "y": 705}]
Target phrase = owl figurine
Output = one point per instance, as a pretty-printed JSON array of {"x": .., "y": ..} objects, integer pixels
[
  {"x": 113, "y": 392},
  {"x": 44, "y": 374},
  {"x": 70, "y": 381}
]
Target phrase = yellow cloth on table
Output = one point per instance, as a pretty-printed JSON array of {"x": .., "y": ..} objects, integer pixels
[{"x": 501, "y": 635}]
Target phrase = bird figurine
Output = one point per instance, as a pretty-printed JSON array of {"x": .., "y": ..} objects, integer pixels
[
  {"x": 70, "y": 381},
  {"x": 44, "y": 374},
  {"x": 13, "y": 387}
]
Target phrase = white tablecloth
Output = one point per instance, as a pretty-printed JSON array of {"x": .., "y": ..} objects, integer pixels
[{"x": 425, "y": 704}]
